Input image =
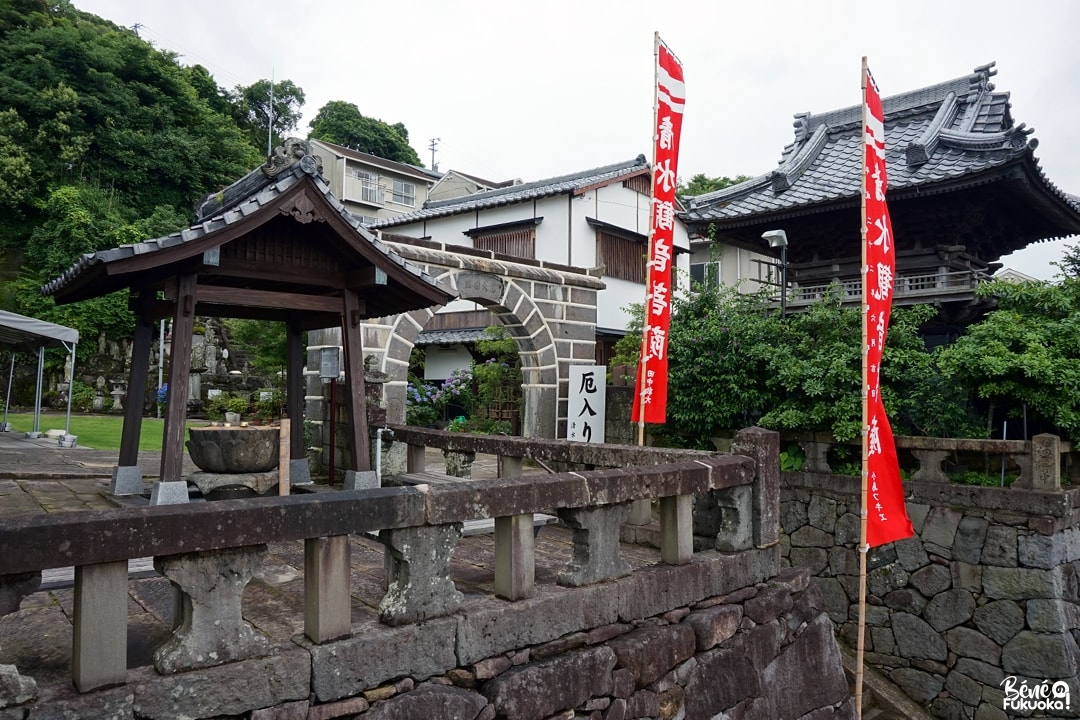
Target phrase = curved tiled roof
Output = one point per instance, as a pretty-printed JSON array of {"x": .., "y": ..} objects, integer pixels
[
  {"x": 518, "y": 193},
  {"x": 219, "y": 210},
  {"x": 937, "y": 134}
]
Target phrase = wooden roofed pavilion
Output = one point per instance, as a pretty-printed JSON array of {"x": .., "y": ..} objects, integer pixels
[{"x": 275, "y": 245}]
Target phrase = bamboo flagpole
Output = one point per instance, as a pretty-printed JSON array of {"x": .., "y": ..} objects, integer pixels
[
  {"x": 883, "y": 516},
  {"x": 650, "y": 400},
  {"x": 863, "y": 547}
]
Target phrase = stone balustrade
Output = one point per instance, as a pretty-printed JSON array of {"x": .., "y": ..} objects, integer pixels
[
  {"x": 1039, "y": 460},
  {"x": 208, "y": 550}
]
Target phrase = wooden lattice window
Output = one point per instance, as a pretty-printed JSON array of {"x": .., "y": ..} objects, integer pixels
[
  {"x": 518, "y": 241},
  {"x": 625, "y": 259},
  {"x": 640, "y": 183}
]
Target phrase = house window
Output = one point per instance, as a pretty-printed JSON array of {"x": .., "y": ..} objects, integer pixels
[
  {"x": 516, "y": 243},
  {"x": 369, "y": 185},
  {"x": 404, "y": 193},
  {"x": 705, "y": 276},
  {"x": 639, "y": 183},
  {"x": 367, "y": 220},
  {"x": 624, "y": 259}
]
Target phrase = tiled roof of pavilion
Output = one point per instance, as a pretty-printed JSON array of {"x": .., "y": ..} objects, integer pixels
[{"x": 936, "y": 137}]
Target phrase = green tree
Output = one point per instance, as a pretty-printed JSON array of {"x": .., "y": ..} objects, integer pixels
[
  {"x": 701, "y": 183},
  {"x": 716, "y": 377},
  {"x": 341, "y": 123},
  {"x": 1070, "y": 262},
  {"x": 88, "y": 102},
  {"x": 1026, "y": 352},
  {"x": 251, "y": 106},
  {"x": 263, "y": 343}
]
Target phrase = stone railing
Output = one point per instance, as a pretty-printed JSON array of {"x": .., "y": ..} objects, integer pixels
[
  {"x": 209, "y": 551},
  {"x": 1039, "y": 460}
]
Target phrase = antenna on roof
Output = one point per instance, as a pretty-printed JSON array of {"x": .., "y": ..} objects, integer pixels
[{"x": 432, "y": 144}]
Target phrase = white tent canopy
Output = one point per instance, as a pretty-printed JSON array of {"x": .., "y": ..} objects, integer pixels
[{"x": 25, "y": 334}]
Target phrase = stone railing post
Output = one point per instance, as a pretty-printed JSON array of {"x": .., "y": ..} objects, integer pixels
[
  {"x": 817, "y": 456},
  {"x": 764, "y": 447},
  {"x": 596, "y": 544},
  {"x": 930, "y": 465},
  {"x": 99, "y": 644},
  {"x": 213, "y": 630},
  {"x": 1045, "y": 462},
  {"x": 515, "y": 559},
  {"x": 677, "y": 529},
  {"x": 459, "y": 463},
  {"x": 327, "y": 602},
  {"x": 418, "y": 573}
]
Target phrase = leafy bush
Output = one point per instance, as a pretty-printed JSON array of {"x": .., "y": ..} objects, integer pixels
[{"x": 225, "y": 403}]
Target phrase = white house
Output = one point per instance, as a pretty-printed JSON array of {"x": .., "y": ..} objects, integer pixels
[
  {"x": 370, "y": 187},
  {"x": 596, "y": 220}
]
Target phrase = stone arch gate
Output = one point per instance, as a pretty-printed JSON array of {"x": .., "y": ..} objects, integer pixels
[{"x": 549, "y": 310}]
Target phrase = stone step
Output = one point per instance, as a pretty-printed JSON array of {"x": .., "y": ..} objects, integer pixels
[{"x": 882, "y": 699}]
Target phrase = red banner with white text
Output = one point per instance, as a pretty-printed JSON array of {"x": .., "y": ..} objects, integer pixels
[
  {"x": 887, "y": 518},
  {"x": 651, "y": 394}
]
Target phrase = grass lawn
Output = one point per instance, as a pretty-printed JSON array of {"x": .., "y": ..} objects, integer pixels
[{"x": 100, "y": 432}]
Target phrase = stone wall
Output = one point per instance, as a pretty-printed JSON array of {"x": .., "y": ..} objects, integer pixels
[
  {"x": 987, "y": 588},
  {"x": 614, "y": 652}
]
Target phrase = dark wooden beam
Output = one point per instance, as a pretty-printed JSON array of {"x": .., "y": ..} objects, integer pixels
[
  {"x": 270, "y": 271},
  {"x": 172, "y": 450},
  {"x": 366, "y": 277},
  {"x": 351, "y": 338},
  {"x": 240, "y": 297},
  {"x": 143, "y": 305},
  {"x": 294, "y": 384}
]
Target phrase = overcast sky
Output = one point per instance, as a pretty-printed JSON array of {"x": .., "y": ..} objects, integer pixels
[{"x": 534, "y": 89}]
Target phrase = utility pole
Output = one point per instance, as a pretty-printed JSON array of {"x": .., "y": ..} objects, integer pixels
[{"x": 432, "y": 144}]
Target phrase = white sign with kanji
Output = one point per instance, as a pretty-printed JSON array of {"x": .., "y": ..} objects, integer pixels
[{"x": 586, "y": 403}]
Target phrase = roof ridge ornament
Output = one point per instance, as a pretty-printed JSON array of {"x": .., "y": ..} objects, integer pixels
[
  {"x": 793, "y": 167},
  {"x": 293, "y": 151},
  {"x": 919, "y": 150}
]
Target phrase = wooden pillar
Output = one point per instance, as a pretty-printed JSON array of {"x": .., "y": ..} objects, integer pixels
[
  {"x": 172, "y": 450},
  {"x": 137, "y": 376},
  {"x": 351, "y": 340},
  {"x": 294, "y": 384}
]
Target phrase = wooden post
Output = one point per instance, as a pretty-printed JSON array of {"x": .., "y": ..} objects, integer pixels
[
  {"x": 172, "y": 450},
  {"x": 354, "y": 373},
  {"x": 140, "y": 361},
  {"x": 284, "y": 440},
  {"x": 294, "y": 384}
]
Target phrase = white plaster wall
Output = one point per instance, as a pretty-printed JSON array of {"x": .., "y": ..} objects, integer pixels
[{"x": 439, "y": 362}]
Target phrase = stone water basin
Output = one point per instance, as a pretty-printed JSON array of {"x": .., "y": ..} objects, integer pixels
[{"x": 234, "y": 450}]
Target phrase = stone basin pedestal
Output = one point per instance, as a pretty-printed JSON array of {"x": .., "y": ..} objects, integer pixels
[{"x": 234, "y": 456}]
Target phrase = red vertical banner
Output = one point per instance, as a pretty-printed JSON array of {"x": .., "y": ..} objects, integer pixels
[
  {"x": 886, "y": 514},
  {"x": 650, "y": 400}
]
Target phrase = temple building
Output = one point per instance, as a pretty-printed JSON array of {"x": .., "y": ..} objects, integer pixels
[{"x": 965, "y": 188}]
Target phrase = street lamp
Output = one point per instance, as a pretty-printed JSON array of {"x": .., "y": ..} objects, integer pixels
[{"x": 778, "y": 239}]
